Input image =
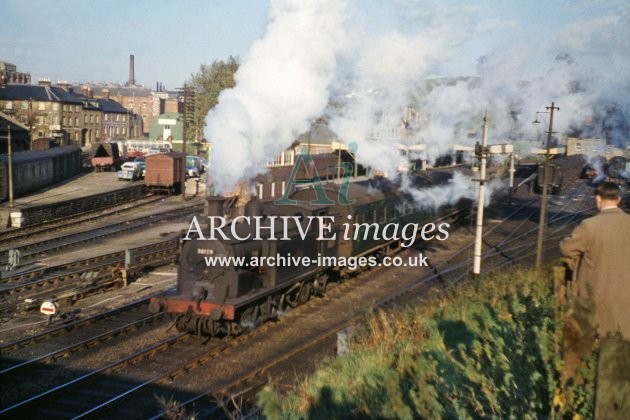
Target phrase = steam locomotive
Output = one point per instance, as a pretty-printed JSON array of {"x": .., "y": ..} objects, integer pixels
[{"x": 301, "y": 244}]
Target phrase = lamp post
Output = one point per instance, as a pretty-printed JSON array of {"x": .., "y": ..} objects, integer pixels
[{"x": 543, "y": 199}]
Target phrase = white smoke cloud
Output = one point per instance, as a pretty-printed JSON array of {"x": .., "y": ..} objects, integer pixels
[
  {"x": 317, "y": 53},
  {"x": 281, "y": 86}
]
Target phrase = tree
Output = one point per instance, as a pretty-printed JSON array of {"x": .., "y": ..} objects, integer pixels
[{"x": 207, "y": 84}]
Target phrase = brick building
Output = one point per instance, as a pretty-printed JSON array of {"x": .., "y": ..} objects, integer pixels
[
  {"x": 68, "y": 116},
  {"x": 48, "y": 111},
  {"x": 20, "y": 139},
  {"x": 9, "y": 74},
  {"x": 139, "y": 100}
]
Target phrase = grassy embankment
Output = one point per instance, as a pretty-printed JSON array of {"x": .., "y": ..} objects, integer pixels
[{"x": 486, "y": 349}]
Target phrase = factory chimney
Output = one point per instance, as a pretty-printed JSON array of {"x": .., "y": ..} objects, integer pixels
[{"x": 132, "y": 78}]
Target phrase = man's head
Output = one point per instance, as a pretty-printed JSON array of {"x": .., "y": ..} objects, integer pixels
[{"x": 607, "y": 195}]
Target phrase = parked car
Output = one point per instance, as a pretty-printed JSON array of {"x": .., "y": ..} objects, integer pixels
[
  {"x": 204, "y": 164},
  {"x": 131, "y": 171},
  {"x": 193, "y": 167},
  {"x": 143, "y": 164},
  {"x": 192, "y": 172}
]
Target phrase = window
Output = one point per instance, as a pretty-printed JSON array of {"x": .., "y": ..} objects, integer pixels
[
  {"x": 85, "y": 119},
  {"x": 55, "y": 106},
  {"x": 24, "y": 105},
  {"x": 42, "y": 106},
  {"x": 76, "y": 121},
  {"x": 8, "y": 105}
]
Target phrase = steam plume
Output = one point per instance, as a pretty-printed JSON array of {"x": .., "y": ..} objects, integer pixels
[
  {"x": 317, "y": 58},
  {"x": 281, "y": 86}
]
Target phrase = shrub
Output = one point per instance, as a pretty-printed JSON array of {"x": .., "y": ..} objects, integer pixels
[{"x": 485, "y": 349}]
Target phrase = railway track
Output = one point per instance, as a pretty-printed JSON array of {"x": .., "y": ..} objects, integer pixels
[
  {"x": 14, "y": 236},
  {"x": 34, "y": 249},
  {"x": 146, "y": 385},
  {"x": 71, "y": 281},
  {"x": 34, "y": 371},
  {"x": 253, "y": 381},
  {"x": 71, "y": 398},
  {"x": 13, "y": 367},
  {"x": 77, "y": 327},
  {"x": 141, "y": 388},
  {"x": 512, "y": 239}
]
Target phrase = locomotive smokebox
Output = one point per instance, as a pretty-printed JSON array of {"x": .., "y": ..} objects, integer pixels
[{"x": 214, "y": 205}]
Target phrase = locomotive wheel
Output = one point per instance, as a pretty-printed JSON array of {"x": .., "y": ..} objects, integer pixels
[
  {"x": 292, "y": 296},
  {"x": 269, "y": 310},
  {"x": 180, "y": 323},
  {"x": 208, "y": 327},
  {"x": 305, "y": 293},
  {"x": 250, "y": 318},
  {"x": 319, "y": 285}
]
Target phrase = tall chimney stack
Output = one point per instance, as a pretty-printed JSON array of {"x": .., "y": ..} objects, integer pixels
[{"x": 132, "y": 77}]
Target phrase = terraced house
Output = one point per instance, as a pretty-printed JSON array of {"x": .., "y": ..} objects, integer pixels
[{"x": 65, "y": 117}]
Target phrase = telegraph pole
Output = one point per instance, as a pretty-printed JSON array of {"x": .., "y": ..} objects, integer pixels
[
  {"x": 543, "y": 198},
  {"x": 10, "y": 165},
  {"x": 189, "y": 112},
  {"x": 483, "y": 153},
  {"x": 184, "y": 123}
]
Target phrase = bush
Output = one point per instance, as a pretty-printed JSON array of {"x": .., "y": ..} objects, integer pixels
[{"x": 486, "y": 349}]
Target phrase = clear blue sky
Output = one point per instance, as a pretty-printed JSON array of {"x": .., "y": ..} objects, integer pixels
[{"x": 90, "y": 41}]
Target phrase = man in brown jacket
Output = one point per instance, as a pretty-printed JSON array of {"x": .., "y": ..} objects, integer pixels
[{"x": 598, "y": 252}]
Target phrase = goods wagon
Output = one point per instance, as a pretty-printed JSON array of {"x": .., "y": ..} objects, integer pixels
[
  {"x": 164, "y": 172},
  {"x": 39, "y": 169},
  {"x": 105, "y": 156}
]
